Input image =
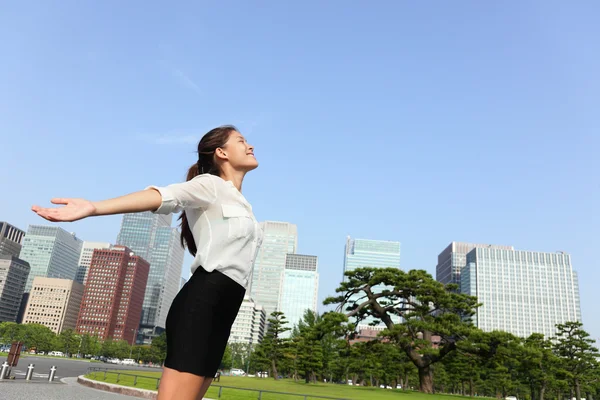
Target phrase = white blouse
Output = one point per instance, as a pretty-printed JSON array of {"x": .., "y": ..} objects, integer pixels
[{"x": 226, "y": 233}]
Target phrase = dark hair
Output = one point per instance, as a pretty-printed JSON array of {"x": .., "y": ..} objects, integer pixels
[{"x": 206, "y": 164}]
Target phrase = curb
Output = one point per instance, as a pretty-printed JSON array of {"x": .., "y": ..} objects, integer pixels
[{"x": 109, "y": 387}]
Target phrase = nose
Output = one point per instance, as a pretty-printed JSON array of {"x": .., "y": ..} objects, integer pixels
[{"x": 251, "y": 148}]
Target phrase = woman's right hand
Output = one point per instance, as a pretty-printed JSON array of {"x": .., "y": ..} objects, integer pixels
[{"x": 73, "y": 210}]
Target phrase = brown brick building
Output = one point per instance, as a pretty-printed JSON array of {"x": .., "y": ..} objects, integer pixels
[{"x": 114, "y": 293}]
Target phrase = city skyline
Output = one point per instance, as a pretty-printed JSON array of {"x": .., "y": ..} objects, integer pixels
[{"x": 453, "y": 255}]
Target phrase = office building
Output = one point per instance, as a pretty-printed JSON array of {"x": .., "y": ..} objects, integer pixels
[
  {"x": 85, "y": 259},
  {"x": 522, "y": 292},
  {"x": 54, "y": 303},
  {"x": 13, "y": 277},
  {"x": 183, "y": 282},
  {"x": 51, "y": 252},
  {"x": 250, "y": 324},
  {"x": 280, "y": 239},
  {"x": 362, "y": 253},
  {"x": 453, "y": 259},
  {"x": 114, "y": 294},
  {"x": 151, "y": 237},
  {"x": 11, "y": 239},
  {"x": 300, "y": 288}
]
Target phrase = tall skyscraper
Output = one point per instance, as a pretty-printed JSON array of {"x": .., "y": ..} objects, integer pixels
[
  {"x": 85, "y": 259},
  {"x": 11, "y": 239},
  {"x": 250, "y": 324},
  {"x": 522, "y": 292},
  {"x": 54, "y": 303},
  {"x": 300, "y": 288},
  {"x": 453, "y": 259},
  {"x": 51, "y": 252},
  {"x": 114, "y": 294},
  {"x": 151, "y": 237},
  {"x": 280, "y": 238},
  {"x": 361, "y": 253},
  {"x": 13, "y": 277}
]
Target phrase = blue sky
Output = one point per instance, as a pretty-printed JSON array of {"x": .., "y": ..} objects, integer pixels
[{"x": 471, "y": 121}]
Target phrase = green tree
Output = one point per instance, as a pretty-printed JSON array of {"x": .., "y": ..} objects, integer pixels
[
  {"x": 428, "y": 309},
  {"x": 274, "y": 346},
  {"x": 159, "y": 348},
  {"x": 39, "y": 337},
  {"x": 539, "y": 365},
  {"x": 11, "y": 332},
  {"x": 226, "y": 360},
  {"x": 68, "y": 342},
  {"x": 578, "y": 354},
  {"x": 308, "y": 350},
  {"x": 500, "y": 353},
  {"x": 90, "y": 345}
]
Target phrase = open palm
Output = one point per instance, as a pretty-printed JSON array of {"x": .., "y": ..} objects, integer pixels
[{"x": 73, "y": 210}]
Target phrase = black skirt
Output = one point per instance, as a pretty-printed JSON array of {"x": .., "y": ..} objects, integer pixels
[{"x": 199, "y": 322}]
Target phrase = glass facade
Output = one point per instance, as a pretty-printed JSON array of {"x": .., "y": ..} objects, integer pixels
[
  {"x": 361, "y": 253},
  {"x": 151, "y": 237},
  {"x": 51, "y": 252},
  {"x": 522, "y": 292},
  {"x": 280, "y": 238},
  {"x": 300, "y": 287},
  {"x": 454, "y": 258}
]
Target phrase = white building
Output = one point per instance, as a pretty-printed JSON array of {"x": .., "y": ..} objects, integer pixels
[
  {"x": 250, "y": 323},
  {"x": 85, "y": 259},
  {"x": 522, "y": 292},
  {"x": 280, "y": 239}
]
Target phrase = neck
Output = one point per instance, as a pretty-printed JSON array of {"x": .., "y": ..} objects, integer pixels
[{"x": 236, "y": 177}]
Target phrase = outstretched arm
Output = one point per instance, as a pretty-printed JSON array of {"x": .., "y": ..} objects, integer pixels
[
  {"x": 76, "y": 209},
  {"x": 198, "y": 192}
]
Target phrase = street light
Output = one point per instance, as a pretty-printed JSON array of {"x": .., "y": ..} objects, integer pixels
[{"x": 133, "y": 342}]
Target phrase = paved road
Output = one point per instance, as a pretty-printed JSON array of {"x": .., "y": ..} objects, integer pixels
[
  {"x": 65, "y": 367},
  {"x": 66, "y": 389}
]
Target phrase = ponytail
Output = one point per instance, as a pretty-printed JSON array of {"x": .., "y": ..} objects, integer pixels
[
  {"x": 187, "y": 239},
  {"x": 206, "y": 164}
]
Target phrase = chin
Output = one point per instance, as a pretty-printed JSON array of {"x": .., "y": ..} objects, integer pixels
[{"x": 250, "y": 166}]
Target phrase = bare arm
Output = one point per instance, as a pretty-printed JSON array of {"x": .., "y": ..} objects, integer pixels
[
  {"x": 76, "y": 209},
  {"x": 144, "y": 200}
]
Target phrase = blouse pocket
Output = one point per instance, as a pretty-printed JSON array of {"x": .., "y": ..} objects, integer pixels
[{"x": 240, "y": 223}]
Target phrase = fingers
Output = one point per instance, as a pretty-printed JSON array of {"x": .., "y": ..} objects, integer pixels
[
  {"x": 50, "y": 214},
  {"x": 59, "y": 200}
]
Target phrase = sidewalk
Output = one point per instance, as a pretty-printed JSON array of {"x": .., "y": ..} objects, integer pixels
[{"x": 66, "y": 389}]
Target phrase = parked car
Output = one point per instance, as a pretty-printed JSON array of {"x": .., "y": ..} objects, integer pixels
[
  {"x": 129, "y": 361},
  {"x": 237, "y": 372}
]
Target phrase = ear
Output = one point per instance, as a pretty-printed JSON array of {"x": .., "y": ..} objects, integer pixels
[{"x": 220, "y": 153}]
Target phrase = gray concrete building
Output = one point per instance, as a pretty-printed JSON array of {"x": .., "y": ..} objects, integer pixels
[{"x": 13, "y": 277}]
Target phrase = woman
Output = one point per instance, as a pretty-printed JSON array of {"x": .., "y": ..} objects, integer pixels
[{"x": 220, "y": 231}]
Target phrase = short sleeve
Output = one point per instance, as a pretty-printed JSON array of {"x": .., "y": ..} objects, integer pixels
[{"x": 196, "y": 193}]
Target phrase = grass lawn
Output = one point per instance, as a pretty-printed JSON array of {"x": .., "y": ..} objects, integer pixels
[{"x": 284, "y": 385}]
